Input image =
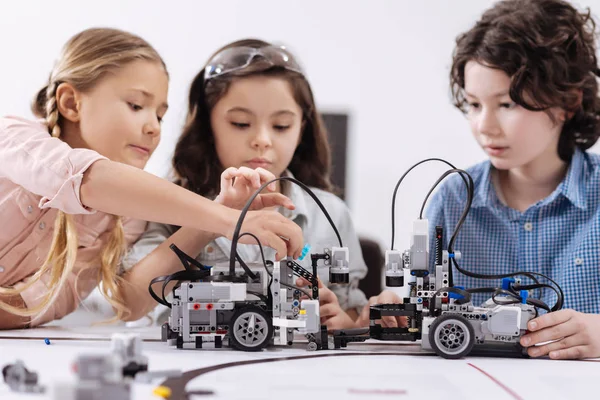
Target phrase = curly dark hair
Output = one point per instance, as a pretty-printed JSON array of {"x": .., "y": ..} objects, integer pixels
[
  {"x": 548, "y": 48},
  {"x": 195, "y": 162}
]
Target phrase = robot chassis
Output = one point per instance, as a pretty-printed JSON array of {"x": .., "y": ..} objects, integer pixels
[
  {"x": 445, "y": 321},
  {"x": 255, "y": 312}
]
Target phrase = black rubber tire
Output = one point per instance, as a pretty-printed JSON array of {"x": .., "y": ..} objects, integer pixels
[
  {"x": 463, "y": 332},
  {"x": 255, "y": 339}
]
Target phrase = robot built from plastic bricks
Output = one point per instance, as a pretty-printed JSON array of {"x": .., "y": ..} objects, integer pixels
[
  {"x": 442, "y": 315},
  {"x": 254, "y": 307},
  {"x": 252, "y": 312},
  {"x": 250, "y": 307}
]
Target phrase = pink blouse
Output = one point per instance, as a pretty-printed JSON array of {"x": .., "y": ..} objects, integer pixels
[{"x": 40, "y": 175}]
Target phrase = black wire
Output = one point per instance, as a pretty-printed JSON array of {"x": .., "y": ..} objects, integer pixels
[
  {"x": 481, "y": 290},
  {"x": 188, "y": 273},
  {"x": 179, "y": 276},
  {"x": 470, "y": 190},
  {"x": 557, "y": 289},
  {"x": 248, "y": 204},
  {"x": 509, "y": 297},
  {"x": 559, "y": 293},
  {"x": 244, "y": 266},
  {"x": 539, "y": 304},
  {"x": 398, "y": 185},
  {"x": 470, "y": 194},
  {"x": 201, "y": 273},
  {"x": 160, "y": 300},
  {"x": 186, "y": 259},
  {"x": 515, "y": 295},
  {"x": 262, "y": 253},
  {"x": 518, "y": 299},
  {"x": 469, "y": 185},
  {"x": 462, "y": 219},
  {"x": 530, "y": 275}
]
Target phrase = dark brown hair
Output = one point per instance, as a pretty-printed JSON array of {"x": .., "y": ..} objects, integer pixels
[
  {"x": 548, "y": 48},
  {"x": 196, "y": 164}
]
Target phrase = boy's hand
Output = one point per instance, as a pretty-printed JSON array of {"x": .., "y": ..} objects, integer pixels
[
  {"x": 239, "y": 184},
  {"x": 386, "y": 297},
  {"x": 574, "y": 335},
  {"x": 331, "y": 312}
]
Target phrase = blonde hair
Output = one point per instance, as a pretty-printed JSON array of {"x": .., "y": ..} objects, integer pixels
[{"x": 85, "y": 59}]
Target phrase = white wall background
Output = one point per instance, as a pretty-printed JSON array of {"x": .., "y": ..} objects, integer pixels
[{"x": 385, "y": 62}]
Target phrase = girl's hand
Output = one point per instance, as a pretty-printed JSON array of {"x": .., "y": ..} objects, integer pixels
[
  {"x": 385, "y": 297},
  {"x": 239, "y": 184},
  {"x": 330, "y": 310},
  {"x": 273, "y": 230}
]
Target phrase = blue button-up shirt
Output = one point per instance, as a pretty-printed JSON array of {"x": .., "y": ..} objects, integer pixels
[{"x": 559, "y": 236}]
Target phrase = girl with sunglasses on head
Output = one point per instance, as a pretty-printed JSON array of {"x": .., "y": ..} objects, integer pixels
[{"x": 252, "y": 118}]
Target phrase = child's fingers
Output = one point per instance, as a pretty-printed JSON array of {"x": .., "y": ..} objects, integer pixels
[
  {"x": 374, "y": 300},
  {"x": 276, "y": 231},
  {"x": 290, "y": 231},
  {"x": 326, "y": 295},
  {"x": 565, "y": 343},
  {"x": 329, "y": 310},
  {"x": 557, "y": 332},
  {"x": 266, "y": 176},
  {"x": 301, "y": 282},
  {"x": 243, "y": 182},
  {"x": 389, "y": 322},
  {"x": 275, "y": 242},
  {"x": 363, "y": 319},
  {"x": 551, "y": 319},
  {"x": 272, "y": 200},
  {"x": 340, "y": 321},
  {"x": 388, "y": 297},
  {"x": 227, "y": 177},
  {"x": 251, "y": 176}
]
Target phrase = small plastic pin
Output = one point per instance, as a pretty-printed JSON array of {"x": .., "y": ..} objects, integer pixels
[{"x": 305, "y": 251}]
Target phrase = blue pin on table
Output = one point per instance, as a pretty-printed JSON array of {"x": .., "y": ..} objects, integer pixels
[{"x": 47, "y": 341}]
